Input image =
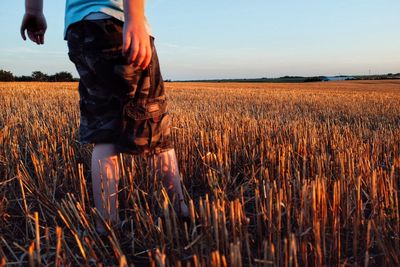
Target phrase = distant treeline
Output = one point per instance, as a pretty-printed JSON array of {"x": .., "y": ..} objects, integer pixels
[{"x": 37, "y": 76}]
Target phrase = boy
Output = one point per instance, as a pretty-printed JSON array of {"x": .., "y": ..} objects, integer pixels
[{"x": 122, "y": 100}]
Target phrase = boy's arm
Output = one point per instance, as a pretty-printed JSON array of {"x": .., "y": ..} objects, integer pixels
[
  {"x": 34, "y": 22},
  {"x": 136, "y": 41}
]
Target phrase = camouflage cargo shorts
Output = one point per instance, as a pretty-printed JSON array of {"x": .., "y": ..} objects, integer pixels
[{"x": 119, "y": 103}]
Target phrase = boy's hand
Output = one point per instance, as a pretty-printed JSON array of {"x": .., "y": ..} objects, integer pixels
[
  {"x": 136, "y": 43},
  {"x": 35, "y": 25}
]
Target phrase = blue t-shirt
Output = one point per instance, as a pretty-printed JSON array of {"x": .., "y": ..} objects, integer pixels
[{"x": 76, "y": 10}]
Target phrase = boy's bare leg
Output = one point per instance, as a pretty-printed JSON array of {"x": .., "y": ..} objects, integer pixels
[
  {"x": 105, "y": 177},
  {"x": 166, "y": 166}
]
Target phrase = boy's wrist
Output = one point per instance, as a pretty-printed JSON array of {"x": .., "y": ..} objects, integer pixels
[
  {"x": 135, "y": 18},
  {"x": 34, "y": 12},
  {"x": 135, "y": 22}
]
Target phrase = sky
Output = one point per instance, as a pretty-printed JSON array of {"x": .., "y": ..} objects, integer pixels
[{"x": 218, "y": 39}]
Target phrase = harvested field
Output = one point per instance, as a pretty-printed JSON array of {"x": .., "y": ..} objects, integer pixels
[{"x": 275, "y": 175}]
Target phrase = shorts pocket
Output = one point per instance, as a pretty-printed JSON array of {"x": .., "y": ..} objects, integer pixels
[{"x": 146, "y": 127}]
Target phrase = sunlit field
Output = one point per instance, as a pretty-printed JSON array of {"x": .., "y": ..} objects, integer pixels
[{"x": 274, "y": 174}]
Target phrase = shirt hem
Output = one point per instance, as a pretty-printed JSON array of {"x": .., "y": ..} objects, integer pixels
[{"x": 110, "y": 12}]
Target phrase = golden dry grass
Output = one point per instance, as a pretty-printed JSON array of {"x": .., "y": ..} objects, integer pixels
[{"x": 275, "y": 174}]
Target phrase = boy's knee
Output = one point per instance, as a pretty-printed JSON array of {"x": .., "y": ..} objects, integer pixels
[
  {"x": 106, "y": 155},
  {"x": 105, "y": 150}
]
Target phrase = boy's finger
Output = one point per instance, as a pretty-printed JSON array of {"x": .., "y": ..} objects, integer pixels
[
  {"x": 32, "y": 36},
  {"x": 134, "y": 51},
  {"x": 37, "y": 40},
  {"x": 140, "y": 57},
  {"x": 126, "y": 44},
  {"x": 147, "y": 60},
  {"x": 23, "y": 33},
  {"x": 41, "y": 38}
]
